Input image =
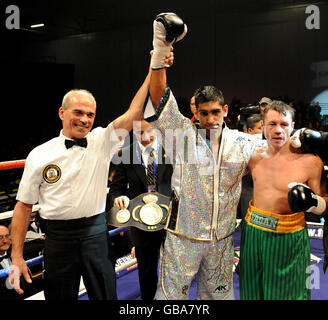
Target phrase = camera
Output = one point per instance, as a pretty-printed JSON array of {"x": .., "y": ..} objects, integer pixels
[{"x": 246, "y": 112}]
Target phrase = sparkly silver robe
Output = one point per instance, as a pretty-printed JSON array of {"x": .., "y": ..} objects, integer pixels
[{"x": 208, "y": 190}]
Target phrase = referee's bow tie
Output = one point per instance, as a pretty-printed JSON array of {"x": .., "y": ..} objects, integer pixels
[
  {"x": 6, "y": 256},
  {"x": 79, "y": 142}
]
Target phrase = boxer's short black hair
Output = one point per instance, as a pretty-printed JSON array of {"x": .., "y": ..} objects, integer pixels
[{"x": 207, "y": 94}]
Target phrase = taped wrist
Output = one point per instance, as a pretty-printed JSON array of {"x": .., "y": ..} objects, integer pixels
[{"x": 320, "y": 207}]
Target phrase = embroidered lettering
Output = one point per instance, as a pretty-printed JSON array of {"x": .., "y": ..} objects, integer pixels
[{"x": 264, "y": 221}]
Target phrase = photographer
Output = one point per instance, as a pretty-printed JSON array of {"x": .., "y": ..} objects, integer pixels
[
  {"x": 249, "y": 110},
  {"x": 245, "y": 113},
  {"x": 263, "y": 103}
]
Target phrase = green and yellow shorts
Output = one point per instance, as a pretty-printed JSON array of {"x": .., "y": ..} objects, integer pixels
[{"x": 274, "y": 256}]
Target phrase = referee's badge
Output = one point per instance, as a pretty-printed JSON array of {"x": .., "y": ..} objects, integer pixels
[{"x": 51, "y": 173}]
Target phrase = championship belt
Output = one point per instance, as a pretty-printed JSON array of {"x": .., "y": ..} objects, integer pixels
[{"x": 148, "y": 212}]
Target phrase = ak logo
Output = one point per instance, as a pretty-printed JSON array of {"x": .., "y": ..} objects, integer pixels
[{"x": 221, "y": 288}]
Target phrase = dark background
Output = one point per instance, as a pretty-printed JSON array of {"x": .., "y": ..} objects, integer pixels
[{"x": 249, "y": 49}]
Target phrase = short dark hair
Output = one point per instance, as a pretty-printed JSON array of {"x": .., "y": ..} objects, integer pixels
[
  {"x": 253, "y": 120},
  {"x": 280, "y": 107},
  {"x": 207, "y": 94}
]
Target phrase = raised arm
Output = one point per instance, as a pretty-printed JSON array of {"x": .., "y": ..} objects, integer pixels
[
  {"x": 168, "y": 28},
  {"x": 157, "y": 86},
  {"x": 125, "y": 121}
]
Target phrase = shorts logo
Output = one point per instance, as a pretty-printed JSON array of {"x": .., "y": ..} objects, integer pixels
[
  {"x": 51, "y": 173},
  {"x": 264, "y": 221}
]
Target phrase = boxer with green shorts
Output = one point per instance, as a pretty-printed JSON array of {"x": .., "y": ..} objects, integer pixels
[
  {"x": 275, "y": 251},
  {"x": 275, "y": 248}
]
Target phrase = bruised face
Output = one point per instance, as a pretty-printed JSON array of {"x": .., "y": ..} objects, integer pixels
[
  {"x": 79, "y": 117},
  {"x": 210, "y": 115},
  {"x": 144, "y": 132},
  {"x": 278, "y": 128}
]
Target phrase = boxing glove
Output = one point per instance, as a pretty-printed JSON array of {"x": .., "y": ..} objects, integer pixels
[
  {"x": 311, "y": 141},
  {"x": 168, "y": 28},
  {"x": 301, "y": 198}
]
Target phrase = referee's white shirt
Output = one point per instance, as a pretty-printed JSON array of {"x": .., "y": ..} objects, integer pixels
[{"x": 69, "y": 183}]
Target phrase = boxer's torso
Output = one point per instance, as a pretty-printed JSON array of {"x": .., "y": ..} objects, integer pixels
[{"x": 272, "y": 174}]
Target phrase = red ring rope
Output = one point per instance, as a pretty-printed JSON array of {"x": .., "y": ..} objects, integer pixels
[{"x": 5, "y": 165}]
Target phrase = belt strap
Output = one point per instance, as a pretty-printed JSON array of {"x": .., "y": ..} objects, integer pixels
[{"x": 148, "y": 212}]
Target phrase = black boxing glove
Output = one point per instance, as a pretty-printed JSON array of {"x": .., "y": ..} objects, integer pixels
[
  {"x": 301, "y": 198},
  {"x": 168, "y": 28},
  {"x": 311, "y": 141}
]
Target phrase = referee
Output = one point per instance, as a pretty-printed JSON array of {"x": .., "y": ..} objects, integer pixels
[{"x": 67, "y": 177}]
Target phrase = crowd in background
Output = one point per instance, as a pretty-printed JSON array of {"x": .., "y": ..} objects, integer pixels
[{"x": 306, "y": 115}]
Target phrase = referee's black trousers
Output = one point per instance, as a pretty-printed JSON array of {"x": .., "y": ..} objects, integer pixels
[{"x": 75, "y": 248}]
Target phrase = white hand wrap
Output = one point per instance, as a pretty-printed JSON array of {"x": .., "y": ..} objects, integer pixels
[
  {"x": 295, "y": 139},
  {"x": 320, "y": 207},
  {"x": 161, "y": 47}
]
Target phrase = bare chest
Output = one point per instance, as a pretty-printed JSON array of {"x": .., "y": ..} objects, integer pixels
[{"x": 278, "y": 173}]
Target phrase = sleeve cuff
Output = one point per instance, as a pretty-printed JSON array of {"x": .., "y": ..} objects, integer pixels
[{"x": 161, "y": 106}]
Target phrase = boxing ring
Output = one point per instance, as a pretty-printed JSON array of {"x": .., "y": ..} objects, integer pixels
[
  {"x": 126, "y": 267},
  {"x": 124, "y": 264}
]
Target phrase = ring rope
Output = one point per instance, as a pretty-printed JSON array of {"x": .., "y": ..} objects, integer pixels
[
  {"x": 125, "y": 264},
  {"x": 39, "y": 259},
  {"x": 13, "y": 164}
]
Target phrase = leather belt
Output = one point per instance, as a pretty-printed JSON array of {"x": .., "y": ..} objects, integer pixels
[{"x": 148, "y": 212}]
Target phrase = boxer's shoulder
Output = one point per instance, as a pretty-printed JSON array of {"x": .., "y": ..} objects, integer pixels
[{"x": 306, "y": 157}]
